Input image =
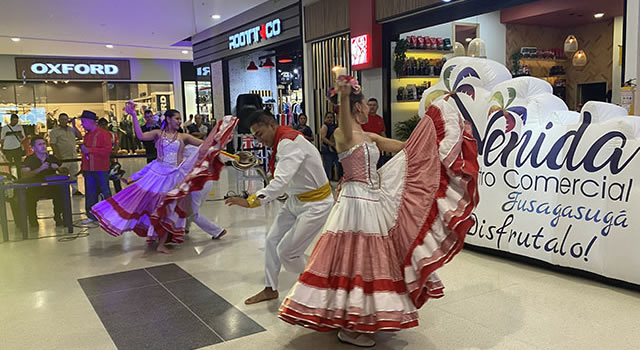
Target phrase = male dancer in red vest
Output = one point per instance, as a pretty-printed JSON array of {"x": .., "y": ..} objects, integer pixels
[{"x": 300, "y": 173}]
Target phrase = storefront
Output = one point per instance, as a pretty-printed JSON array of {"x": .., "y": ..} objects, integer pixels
[
  {"x": 529, "y": 39},
  {"x": 196, "y": 90},
  {"x": 256, "y": 58},
  {"x": 556, "y": 164},
  {"x": 38, "y": 89}
]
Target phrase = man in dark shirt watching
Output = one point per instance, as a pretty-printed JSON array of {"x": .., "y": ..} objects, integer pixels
[
  {"x": 149, "y": 146},
  {"x": 198, "y": 129},
  {"x": 36, "y": 168}
]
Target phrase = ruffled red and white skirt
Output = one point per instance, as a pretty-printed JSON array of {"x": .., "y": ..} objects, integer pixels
[
  {"x": 374, "y": 265},
  {"x": 171, "y": 215},
  {"x": 149, "y": 206}
]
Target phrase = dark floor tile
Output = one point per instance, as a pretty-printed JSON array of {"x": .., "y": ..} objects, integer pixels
[
  {"x": 143, "y": 305},
  {"x": 116, "y": 282},
  {"x": 182, "y": 332},
  {"x": 215, "y": 311},
  {"x": 150, "y": 318},
  {"x": 168, "y": 273}
]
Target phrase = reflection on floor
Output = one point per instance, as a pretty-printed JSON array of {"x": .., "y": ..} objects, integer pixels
[{"x": 490, "y": 303}]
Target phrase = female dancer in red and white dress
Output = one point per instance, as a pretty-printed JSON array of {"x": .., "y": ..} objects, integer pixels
[
  {"x": 132, "y": 208},
  {"x": 390, "y": 229}
]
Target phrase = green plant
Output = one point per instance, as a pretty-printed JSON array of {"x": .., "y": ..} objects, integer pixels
[
  {"x": 400, "y": 55},
  {"x": 404, "y": 129},
  {"x": 515, "y": 62}
]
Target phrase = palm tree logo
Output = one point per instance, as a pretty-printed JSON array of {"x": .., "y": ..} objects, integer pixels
[
  {"x": 453, "y": 93},
  {"x": 500, "y": 110}
]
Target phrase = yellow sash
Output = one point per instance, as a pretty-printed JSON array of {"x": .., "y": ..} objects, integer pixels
[
  {"x": 311, "y": 196},
  {"x": 315, "y": 195}
]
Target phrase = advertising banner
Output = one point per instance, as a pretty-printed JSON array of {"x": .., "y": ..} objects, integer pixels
[{"x": 555, "y": 185}]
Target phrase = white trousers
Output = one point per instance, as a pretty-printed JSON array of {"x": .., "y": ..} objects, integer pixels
[
  {"x": 197, "y": 198},
  {"x": 292, "y": 231}
]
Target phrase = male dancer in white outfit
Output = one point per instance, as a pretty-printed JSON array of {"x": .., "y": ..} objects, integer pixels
[
  {"x": 300, "y": 173},
  {"x": 197, "y": 198}
]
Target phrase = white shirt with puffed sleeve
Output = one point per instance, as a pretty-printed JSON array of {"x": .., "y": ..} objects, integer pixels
[{"x": 298, "y": 170}]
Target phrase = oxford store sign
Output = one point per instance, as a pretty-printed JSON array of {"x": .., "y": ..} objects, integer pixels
[
  {"x": 554, "y": 185},
  {"x": 41, "y": 68}
]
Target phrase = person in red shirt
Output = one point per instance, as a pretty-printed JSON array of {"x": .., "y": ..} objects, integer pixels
[
  {"x": 375, "y": 124},
  {"x": 96, "y": 149}
]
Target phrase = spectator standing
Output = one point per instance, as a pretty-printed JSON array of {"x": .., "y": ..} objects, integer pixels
[
  {"x": 149, "y": 146},
  {"x": 328, "y": 147},
  {"x": 96, "y": 149},
  {"x": 36, "y": 168},
  {"x": 114, "y": 166},
  {"x": 11, "y": 138},
  {"x": 375, "y": 124},
  {"x": 198, "y": 129},
  {"x": 127, "y": 141},
  {"x": 63, "y": 142},
  {"x": 304, "y": 128}
]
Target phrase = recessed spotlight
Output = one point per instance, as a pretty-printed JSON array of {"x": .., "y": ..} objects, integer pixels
[
  {"x": 599, "y": 15},
  {"x": 446, "y": 0},
  {"x": 215, "y": 16},
  {"x": 109, "y": 46},
  {"x": 15, "y": 39},
  {"x": 185, "y": 52}
]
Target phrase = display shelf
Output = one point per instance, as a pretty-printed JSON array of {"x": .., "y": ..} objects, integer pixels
[
  {"x": 415, "y": 51},
  {"x": 544, "y": 59},
  {"x": 418, "y": 77},
  {"x": 139, "y": 99}
]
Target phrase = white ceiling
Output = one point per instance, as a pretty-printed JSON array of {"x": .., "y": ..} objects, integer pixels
[{"x": 136, "y": 28}]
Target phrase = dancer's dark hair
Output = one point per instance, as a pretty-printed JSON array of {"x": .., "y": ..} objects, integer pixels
[
  {"x": 169, "y": 113},
  {"x": 262, "y": 117},
  {"x": 354, "y": 97}
]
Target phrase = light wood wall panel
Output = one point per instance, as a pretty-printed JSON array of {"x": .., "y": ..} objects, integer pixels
[
  {"x": 327, "y": 54},
  {"x": 390, "y": 8},
  {"x": 326, "y": 18}
]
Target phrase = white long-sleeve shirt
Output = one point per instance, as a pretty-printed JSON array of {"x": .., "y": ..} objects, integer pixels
[{"x": 298, "y": 170}]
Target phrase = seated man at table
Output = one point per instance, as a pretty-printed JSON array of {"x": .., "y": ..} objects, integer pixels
[{"x": 36, "y": 168}]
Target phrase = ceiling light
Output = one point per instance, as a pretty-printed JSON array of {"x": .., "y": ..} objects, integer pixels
[
  {"x": 579, "y": 59},
  {"x": 268, "y": 63},
  {"x": 285, "y": 58},
  {"x": 295, "y": 71},
  {"x": 468, "y": 40},
  {"x": 15, "y": 39},
  {"x": 252, "y": 66},
  {"x": 446, "y": 0},
  {"x": 109, "y": 46},
  {"x": 570, "y": 44},
  {"x": 599, "y": 15},
  {"x": 186, "y": 52},
  {"x": 215, "y": 16}
]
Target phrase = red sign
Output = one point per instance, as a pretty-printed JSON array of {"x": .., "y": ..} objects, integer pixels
[
  {"x": 366, "y": 35},
  {"x": 360, "y": 51}
]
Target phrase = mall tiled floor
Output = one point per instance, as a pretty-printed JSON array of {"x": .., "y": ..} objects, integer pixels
[{"x": 74, "y": 295}]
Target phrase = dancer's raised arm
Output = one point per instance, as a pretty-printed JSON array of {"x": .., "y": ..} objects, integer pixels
[{"x": 130, "y": 108}]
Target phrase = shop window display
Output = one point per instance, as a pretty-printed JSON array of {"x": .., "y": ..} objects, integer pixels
[{"x": 39, "y": 103}]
